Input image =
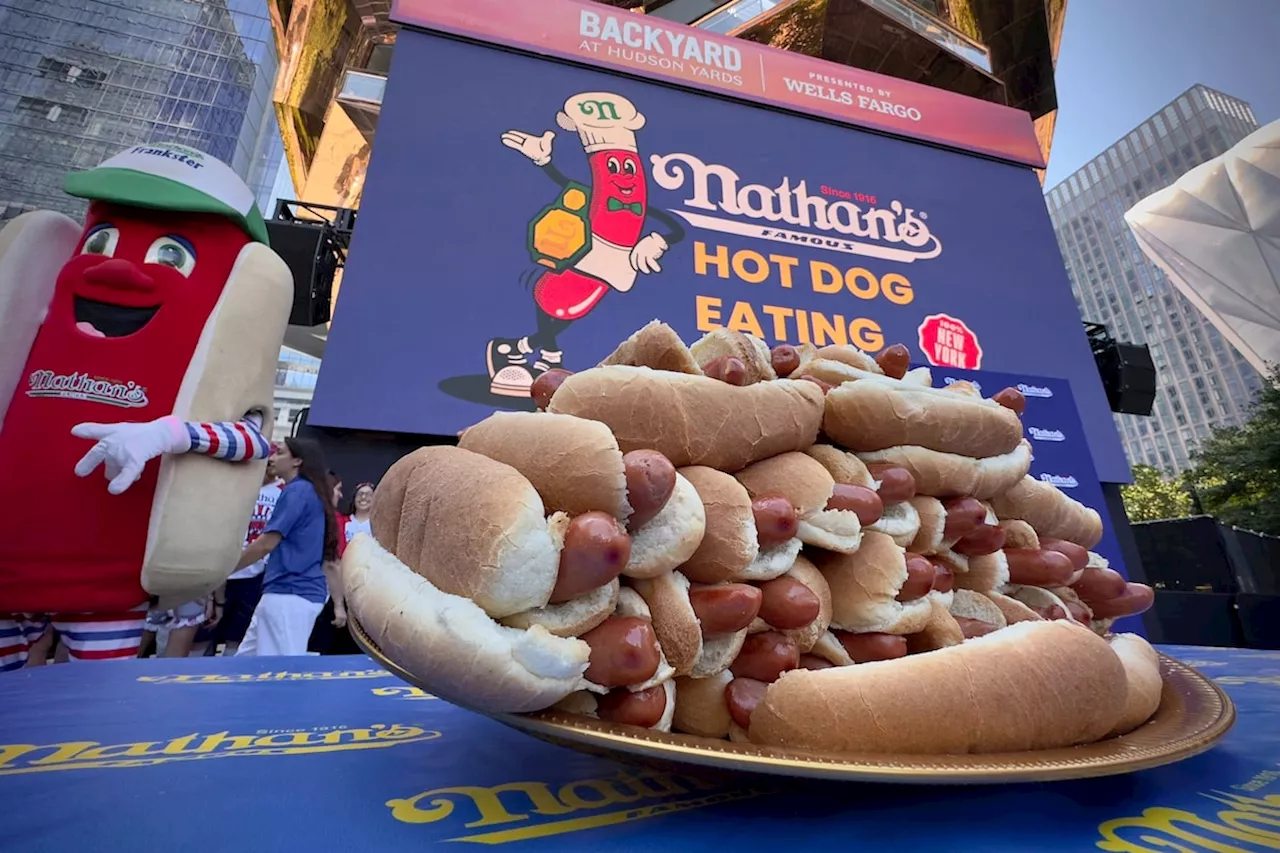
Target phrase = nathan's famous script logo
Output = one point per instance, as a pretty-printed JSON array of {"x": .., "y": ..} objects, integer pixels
[
  {"x": 403, "y": 691},
  {"x": 265, "y": 677},
  {"x": 1034, "y": 390},
  {"x": 1046, "y": 434},
  {"x": 518, "y": 811},
  {"x": 1067, "y": 482},
  {"x": 83, "y": 755},
  {"x": 1245, "y": 825},
  {"x": 895, "y": 233},
  {"x": 82, "y": 386}
]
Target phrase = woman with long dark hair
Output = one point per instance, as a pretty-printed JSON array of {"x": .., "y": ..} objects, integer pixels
[{"x": 302, "y": 540}]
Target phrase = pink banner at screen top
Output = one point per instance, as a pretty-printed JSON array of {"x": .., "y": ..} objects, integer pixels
[{"x": 604, "y": 36}]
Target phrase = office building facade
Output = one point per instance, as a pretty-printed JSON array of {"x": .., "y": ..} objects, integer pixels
[
  {"x": 1203, "y": 381},
  {"x": 81, "y": 80}
]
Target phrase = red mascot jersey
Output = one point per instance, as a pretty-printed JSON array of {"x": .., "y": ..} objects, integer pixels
[{"x": 126, "y": 316}]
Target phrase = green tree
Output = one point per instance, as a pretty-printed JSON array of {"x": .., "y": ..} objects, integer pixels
[
  {"x": 1236, "y": 473},
  {"x": 1153, "y": 496}
]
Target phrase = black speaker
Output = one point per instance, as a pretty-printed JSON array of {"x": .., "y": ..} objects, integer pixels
[
  {"x": 1198, "y": 619},
  {"x": 306, "y": 250},
  {"x": 1129, "y": 376},
  {"x": 1185, "y": 554},
  {"x": 1260, "y": 620}
]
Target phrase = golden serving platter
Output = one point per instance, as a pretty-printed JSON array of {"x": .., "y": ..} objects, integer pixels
[{"x": 1194, "y": 714}]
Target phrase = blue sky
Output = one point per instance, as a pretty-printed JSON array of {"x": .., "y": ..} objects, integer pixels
[{"x": 1122, "y": 60}]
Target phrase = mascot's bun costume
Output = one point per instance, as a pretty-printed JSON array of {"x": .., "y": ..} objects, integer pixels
[{"x": 142, "y": 345}]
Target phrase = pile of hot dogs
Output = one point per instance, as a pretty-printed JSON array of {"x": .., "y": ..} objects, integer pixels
[{"x": 794, "y": 547}]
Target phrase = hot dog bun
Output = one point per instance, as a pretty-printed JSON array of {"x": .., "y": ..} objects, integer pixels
[
  {"x": 1142, "y": 677},
  {"x": 33, "y": 248},
  {"x": 571, "y": 618},
  {"x": 750, "y": 350},
  {"x": 729, "y": 542},
  {"x": 1060, "y": 685},
  {"x": 900, "y": 522},
  {"x": 1050, "y": 512},
  {"x": 202, "y": 505},
  {"x": 967, "y": 604},
  {"x": 1013, "y": 610},
  {"x": 449, "y": 642},
  {"x": 941, "y": 631},
  {"x": 805, "y": 481},
  {"x": 701, "y": 708},
  {"x": 574, "y": 464},
  {"x": 679, "y": 631},
  {"x": 807, "y": 637},
  {"x": 671, "y": 537},
  {"x": 471, "y": 525},
  {"x": 656, "y": 345},
  {"x": 864, "y": 586},
  {"x": 695, "y": 420},
  {"x": 877, "y": 414},
  {"x": 948, "y": 475}
]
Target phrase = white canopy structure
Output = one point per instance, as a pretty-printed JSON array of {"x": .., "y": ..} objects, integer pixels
[{"x": 1216, "y": 234}]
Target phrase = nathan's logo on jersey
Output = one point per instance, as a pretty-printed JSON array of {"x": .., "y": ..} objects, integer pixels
[
  {"x": 82, "y": 386},
  {"x": 518, "y": 811},
  {"x": 1046, "y": 434},
  {"x": 893, "y": 233},
  {"x": 1067, "y": 482},
  {"x": 1034, "y": 391},
  {"x": 84, "y": 755}
]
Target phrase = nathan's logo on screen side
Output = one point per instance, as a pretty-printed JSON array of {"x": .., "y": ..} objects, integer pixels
[
  {"x": 1062, "y": 482},
  {"x": 793, "y": 212},
  {"x": 1046, "y": 434},
  {"x": 519, "y": 811}
]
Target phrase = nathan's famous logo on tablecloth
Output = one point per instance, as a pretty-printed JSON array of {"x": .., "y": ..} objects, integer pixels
[
  {"x": 1240, "y": 823},
  {"x": 519, "y": 811},
  {"x": 84, "y": 755},
  {"x": 264, "y": 677},
  {"x": 403, "y": 691},
  {"x": 607, "y": 235}
]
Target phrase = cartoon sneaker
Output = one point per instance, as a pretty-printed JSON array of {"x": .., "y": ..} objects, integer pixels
[
  {"x": 547, "y": 360},
  {"x": 508, "y": 363}
]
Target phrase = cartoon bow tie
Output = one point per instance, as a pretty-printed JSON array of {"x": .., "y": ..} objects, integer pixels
[{"x": 635, "y": 206}]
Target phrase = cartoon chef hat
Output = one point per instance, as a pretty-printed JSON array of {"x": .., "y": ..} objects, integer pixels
[{"x": 603, "y": 121}]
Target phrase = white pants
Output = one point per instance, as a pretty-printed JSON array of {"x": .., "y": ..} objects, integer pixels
[{"x": 281, "y": 625}]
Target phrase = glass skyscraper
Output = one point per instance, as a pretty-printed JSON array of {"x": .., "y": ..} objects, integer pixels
[
  {"x": 81, "y": 80},
  {"x": 1203, "y": 381}
]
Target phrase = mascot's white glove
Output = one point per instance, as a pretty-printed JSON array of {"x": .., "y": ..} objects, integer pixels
[
  {"x": 645, "y": 254},
  {"x": 536, "y": 148},
  {"x": 125, "y": 449}
]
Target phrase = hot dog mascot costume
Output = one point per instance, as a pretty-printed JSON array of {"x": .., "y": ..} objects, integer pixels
[
  {"x": 143, "y": 346},
  {"x": 616, "y": 248}
]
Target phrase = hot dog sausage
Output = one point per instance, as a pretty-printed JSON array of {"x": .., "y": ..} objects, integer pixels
[
  {"x": 814, "y": 662},
  {"x": 651, "y": 478},
  {"x": 785, "y": 359},
  {"x": 727, "y": 369},
  {"x": 963, "y": 516},
  {"x": 1078, "y": 556},
  {"x": 1012, "y": 399},
  {"x": 724, "y": 608},
  {"x": 596, "y": 550},
  {"x": 896, "y": 482},
  {"x": 1099, "y": 584},
  {"x": 766, "y": 656},
  {"x": 858, "y": 499},
  {"x": 920, "y": 577},
  {"x": 894, "y": 360},
  {"x": 776, "y": 520},
  {"x": 1051, "y": 612},
  {"x": 643, "y": 708},
  {"x": 865, "y": 648},
  {"x": 986, "y": 539},
  {"x": 825, "y": 386},
  {"x": 544, "y": 387},
  {"x": 788, "y": 604},
  {"x": 974, "y": 627},
  {"x": 624, "y": 650},
  {"x": 1079, "y": 612},
  {"x": 944, "y": 580},
  {"x": 742, "y": 695},
  {"x": 1030, "y": 567},
  {"x": 1135, "y": 599}
]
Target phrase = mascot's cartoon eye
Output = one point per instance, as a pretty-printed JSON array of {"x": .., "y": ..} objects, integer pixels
[
  {"x": 629, "y": 166},
  {"x": 172, "y": 251},
  {"x": 613, "y": 165},
  {"x": 102, "y": 240}
]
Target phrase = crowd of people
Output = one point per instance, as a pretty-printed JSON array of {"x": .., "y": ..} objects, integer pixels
[{"x": 284, "y": 595}]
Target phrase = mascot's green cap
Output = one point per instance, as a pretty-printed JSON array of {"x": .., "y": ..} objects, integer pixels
[{"x": 168, "y": 176}]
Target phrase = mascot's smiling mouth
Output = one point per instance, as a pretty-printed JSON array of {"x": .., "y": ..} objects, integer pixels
[{"x": 104, "y": 320}]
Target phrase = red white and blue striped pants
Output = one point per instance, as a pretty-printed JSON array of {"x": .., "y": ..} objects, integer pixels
[{"x": 87, "y": 636}]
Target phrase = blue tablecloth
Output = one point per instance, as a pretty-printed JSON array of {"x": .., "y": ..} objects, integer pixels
[{"x": 278, "y": 754}]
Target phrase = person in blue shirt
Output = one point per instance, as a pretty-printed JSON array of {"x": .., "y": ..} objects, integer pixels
[{"x": 302, "y": 539}]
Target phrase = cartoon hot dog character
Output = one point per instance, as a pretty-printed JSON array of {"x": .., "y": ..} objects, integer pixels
[
  {"x": 141, "y": 345},
  {"x": 600, "y": 239}
]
